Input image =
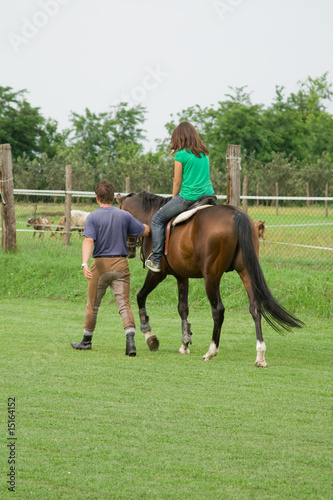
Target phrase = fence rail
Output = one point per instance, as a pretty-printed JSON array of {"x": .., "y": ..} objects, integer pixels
[
  {"x": 91, "y": 194},
  {"x": 293, "y": 198},
  {"x": 54, "y": 193},
  {"x": 300, "y": 229}
]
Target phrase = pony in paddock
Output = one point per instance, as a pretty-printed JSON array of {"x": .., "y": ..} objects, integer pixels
[
  {"x": 215, "y": 240},
  {"x": 260, "y": 225}
]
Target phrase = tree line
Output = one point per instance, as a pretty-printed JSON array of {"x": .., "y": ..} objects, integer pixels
[{"x": 289, "y": 142}]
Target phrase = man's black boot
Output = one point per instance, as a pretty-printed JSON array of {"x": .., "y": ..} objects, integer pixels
[
  {"x": 130, "y": 345},
  {"x": 85, "y": 343}
]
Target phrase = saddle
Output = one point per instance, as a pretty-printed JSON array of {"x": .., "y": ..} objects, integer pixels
[{"x": 203, "y": 202}]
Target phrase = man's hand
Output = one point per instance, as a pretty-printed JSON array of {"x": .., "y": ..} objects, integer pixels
[
  {"x": 87, "y": 247},
  {"x": 87, "y": 272},
  {"x": 146, "y": 232}
]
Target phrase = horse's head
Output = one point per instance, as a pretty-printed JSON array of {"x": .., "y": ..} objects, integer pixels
[
  {"x": 261, "y": 229},
  {"x": 122, "y": 200},
  {"x": 132, "y": 241},
  {"x": 142, "y": 206}
]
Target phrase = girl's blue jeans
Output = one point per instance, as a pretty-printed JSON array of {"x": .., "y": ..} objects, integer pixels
[{"x": 174, "y": 207}]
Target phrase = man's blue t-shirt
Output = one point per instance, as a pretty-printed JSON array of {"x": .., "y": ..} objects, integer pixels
[{"x": 109, "y": 228}]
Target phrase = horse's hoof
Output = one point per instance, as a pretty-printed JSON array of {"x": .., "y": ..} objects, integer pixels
[
  {"x": 207, "y": 358},
  {"x": 153, "y": 343},
  {"x": 260, "y": 364},
  {"x": 211, "y": 353},
  {"x": 184, "y": 350}
]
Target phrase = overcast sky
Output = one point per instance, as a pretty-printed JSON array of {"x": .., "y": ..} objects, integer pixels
[{"x": 165, "y": 54}]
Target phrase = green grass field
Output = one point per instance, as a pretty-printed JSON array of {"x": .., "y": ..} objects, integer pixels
[
  {"x": 292, "y": 232},
  {"x": 98, "y": 424}
]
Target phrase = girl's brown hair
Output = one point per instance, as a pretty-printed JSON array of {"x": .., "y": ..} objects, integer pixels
[{"x": 186, "y": 137}]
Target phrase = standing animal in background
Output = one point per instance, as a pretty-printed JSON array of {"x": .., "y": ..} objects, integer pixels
[
  {"x": 40, "y": 224},
  {"x": 60, "y": 225},
  {"x": 78, "y": 219},
  {"x": 260, "y": 225}
]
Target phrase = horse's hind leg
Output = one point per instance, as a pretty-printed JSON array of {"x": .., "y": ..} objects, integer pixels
[
  {"x": 183, "y": 313},
  {"x": 256, "y": 315},
  {"x": 151, "y": 282},
  {"x": 213, "y": 294}
]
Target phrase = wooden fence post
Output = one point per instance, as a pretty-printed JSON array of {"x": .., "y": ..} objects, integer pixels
[
  {"x": 277, "y": 201},
  {"x": 127, "y": 185},
  {"x": 326, "y": 204},
  {"x": 307, "y": 194},
  {"x": 233, "y": 168},
  {"x": 68, "y": 206},
  {"x": 257, "y": 193},
  {"x": 8, "y": 237},
  {"x": 245, "y": 187}
]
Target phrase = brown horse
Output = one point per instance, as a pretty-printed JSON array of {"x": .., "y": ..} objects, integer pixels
[{"x": 215, "y": 240}]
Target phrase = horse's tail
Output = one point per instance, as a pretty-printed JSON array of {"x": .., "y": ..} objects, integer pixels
[{"x": 270, "y": 308}]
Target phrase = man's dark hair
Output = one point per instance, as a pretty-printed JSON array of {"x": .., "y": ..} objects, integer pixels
[{"x": 105, "y": 191}]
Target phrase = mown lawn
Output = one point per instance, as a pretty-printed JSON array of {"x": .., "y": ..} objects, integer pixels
[{"x": 101, "y": 425}]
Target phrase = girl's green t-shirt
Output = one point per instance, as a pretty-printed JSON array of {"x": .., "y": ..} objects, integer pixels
[{"x": 196, "y": 180}]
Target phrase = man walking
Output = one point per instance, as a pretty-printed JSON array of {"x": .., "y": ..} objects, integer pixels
[{"x": 106, "y": 230}]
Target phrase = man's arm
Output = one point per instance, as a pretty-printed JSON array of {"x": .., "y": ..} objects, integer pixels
[
  {"x": 87, "y": 247},
  {"x": 146, "y": 232}
]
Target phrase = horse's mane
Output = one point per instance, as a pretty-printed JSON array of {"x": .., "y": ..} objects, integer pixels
[{"x": 152, "y": 201}]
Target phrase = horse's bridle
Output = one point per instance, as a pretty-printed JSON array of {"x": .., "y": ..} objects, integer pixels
[{"x": 132, "y": 243}]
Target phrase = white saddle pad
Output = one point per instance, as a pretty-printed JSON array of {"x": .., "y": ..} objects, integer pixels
[{"x": 188, "y": 213}]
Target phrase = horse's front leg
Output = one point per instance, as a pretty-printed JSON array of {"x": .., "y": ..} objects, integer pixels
[
  {"x": 213, "y": 294},
  {"x": 183, "y": 313},
  {"x": 151, "y": 282}
]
